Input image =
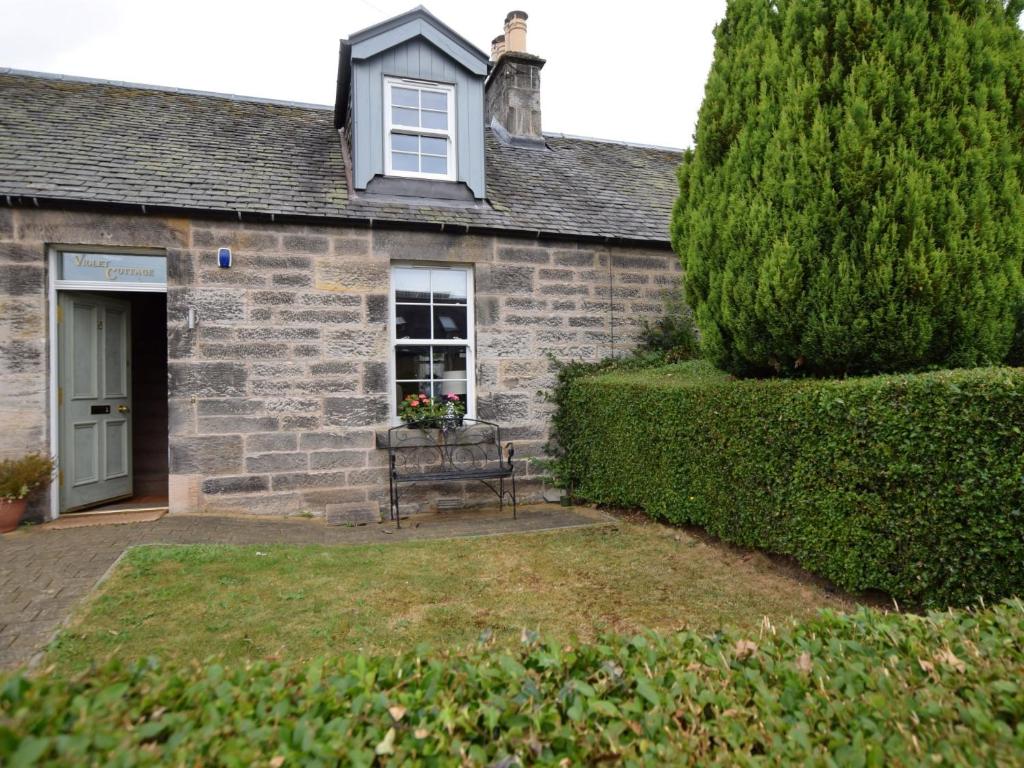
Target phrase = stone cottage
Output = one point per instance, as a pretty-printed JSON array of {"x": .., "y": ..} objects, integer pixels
[{"x": 216, "y": 302}]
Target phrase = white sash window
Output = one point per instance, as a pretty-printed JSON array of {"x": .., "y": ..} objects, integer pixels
[
  {"x": 432, "y": 334},
  {"x": 419, "y": 121}
]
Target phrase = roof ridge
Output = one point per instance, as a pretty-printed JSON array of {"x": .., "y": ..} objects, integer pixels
[
  {"x": 613, "y": 141},
  {"x": 161, "y": 88}
]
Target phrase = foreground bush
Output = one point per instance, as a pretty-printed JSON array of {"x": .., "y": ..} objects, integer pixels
[
  {"x": 865, "y": 689},
  {"x": 910, "y": 484},
  {"x": 854, "y": 201}
]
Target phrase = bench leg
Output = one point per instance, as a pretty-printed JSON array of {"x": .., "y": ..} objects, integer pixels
[
  {"x": 514, "y": 511},
  {"x": 398, "y": 509},
  {"x": 501, "y": 494}
]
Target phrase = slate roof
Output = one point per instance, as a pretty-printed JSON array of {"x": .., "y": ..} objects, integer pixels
[{"x": 65, "y": 139}]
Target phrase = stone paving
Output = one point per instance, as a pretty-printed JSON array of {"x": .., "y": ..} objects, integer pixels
[{"x": 45, "y": 573}]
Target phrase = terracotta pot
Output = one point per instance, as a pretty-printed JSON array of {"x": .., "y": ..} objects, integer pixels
[{"x": 10, "y": 514}]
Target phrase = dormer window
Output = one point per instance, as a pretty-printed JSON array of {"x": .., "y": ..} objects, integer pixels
[{"x": 419, "y": 124}]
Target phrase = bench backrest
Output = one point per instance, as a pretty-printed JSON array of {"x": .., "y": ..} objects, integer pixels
[{"x": 472, "y": 444}]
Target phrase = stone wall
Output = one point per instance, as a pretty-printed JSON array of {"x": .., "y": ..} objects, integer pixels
[{"x": 276, "y": 396}]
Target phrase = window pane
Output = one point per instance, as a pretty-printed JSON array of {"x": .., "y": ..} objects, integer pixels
[
  {"x": 412, "y": 362},
  {"x": 449, "y": 322},
  {"x": 404, "y": 97},
  {"x": 436, "y": 120},
  {"x": 403, "y": 142},
  {"x": 412, "y": 321},
  {"x": 411, "y": 284},
  {"x": 434, "y": 100},
  {"x": 402, "y": 116},
  {"x": 449, "y": 362},
  {"x": 430, "y": 146},
  {"x": 400, "y": 161},
  {"x": 431, "y": 164},
  {"x": 448, "y": 286},
  {"x": 406, "y": 388}
]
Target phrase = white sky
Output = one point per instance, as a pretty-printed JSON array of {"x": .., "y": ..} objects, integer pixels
[{"x": 632, "y": 71}]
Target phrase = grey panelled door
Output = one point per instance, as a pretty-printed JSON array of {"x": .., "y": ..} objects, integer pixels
[{"x": 94, "y": 399}]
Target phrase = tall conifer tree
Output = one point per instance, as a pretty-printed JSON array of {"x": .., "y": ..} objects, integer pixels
[{"x": 854, "y": 200}]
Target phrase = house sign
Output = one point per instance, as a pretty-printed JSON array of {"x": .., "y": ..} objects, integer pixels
[{"x": 113, "y": 268}]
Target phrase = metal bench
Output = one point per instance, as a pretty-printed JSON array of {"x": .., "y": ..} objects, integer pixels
[{"x": 450, "y": 450}]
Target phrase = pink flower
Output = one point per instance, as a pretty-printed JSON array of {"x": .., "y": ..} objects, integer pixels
[
  {"x": 415, "y": 404},
  {"x": 453, "y": 397}
]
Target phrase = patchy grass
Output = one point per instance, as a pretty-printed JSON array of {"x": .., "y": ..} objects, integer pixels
[{"x": 296, "y": 602}]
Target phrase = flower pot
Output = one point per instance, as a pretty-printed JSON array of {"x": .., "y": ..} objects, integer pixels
[{"x": 10, "y": 514}]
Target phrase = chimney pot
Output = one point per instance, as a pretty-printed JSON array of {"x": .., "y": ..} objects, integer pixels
[
  {"x": 515, "y": 32},
  {"x": 497, "y": 47}
]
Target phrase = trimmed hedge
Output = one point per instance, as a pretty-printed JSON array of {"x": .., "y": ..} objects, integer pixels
[
  {"x": 864, "y": 689},
  {"x": 910, "y": 484}
]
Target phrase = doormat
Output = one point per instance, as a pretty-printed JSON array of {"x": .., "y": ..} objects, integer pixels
[{"x": 107, "y": 518}]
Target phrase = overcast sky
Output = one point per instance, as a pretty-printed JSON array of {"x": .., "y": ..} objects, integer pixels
[{"x": 632, "y": 71}]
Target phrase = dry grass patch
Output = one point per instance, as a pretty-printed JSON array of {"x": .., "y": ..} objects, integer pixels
[{"x": 184, "y": 602}]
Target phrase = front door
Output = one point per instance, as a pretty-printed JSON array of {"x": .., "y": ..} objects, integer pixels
[{"x": 94, "y": 399}]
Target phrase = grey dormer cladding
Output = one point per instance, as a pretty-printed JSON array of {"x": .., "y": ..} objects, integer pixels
[{"x": 414, "y": 45}]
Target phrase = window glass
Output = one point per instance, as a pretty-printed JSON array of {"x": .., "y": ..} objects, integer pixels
[
  {"x": 433, "y": 338},
  {"x": 411, "y": 284},
  {"x": 420, "y": 138},
  {"x": 434, "y": 100},
  {"x": 404, "y": 97},
  {"x": 448, "y": 286}
]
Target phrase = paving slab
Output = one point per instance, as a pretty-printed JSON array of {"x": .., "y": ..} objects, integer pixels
[{"x": 45, "y": 572}]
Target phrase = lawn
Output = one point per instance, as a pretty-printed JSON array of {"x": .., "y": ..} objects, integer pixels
[{"x": 297, "y": 602}]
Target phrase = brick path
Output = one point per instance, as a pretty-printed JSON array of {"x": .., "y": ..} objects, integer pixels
[{"x": 44, "y": 573}]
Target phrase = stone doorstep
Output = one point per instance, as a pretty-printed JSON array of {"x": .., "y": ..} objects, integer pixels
[{"x": 352, "y": 513}]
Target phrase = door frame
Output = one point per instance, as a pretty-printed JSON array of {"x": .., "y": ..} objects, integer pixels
[{"x": 52, "y": 286}]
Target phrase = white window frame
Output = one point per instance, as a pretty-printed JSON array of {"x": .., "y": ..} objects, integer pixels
[
  {"x": 469, "y": 343},
  {"x": 449, "y": 134}
]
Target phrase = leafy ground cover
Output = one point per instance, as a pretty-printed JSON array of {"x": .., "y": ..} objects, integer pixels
[
  {"x": 864, "y": 689},
  {"x": 187, "y": 602}
]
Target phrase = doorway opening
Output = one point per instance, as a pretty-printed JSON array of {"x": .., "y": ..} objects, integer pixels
[{"x": 112, "y": 418}]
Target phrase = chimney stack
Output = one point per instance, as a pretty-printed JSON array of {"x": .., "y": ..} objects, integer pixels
[{"x": 512, "y": 89}]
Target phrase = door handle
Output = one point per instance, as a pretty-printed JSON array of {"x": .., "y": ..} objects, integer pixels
[{"x": 122, "y": 409}]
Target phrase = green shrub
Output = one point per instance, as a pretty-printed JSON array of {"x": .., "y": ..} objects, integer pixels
[
  {"x": 865, "y": 689},
  {"x": 854, "y": 200},
  {"x": 911, "y": 484},
  {"x": 19, "y": 477}
]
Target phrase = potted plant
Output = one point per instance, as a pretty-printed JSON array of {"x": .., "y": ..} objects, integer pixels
[
  {"x": 430, "y": 412},
  {"x": 18, "y": 478}
]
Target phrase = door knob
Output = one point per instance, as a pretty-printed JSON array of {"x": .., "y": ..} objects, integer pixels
[{"x": 122, "y": 409}]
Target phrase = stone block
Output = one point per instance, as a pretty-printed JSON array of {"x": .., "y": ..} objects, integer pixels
[
  {"x": 519, "y": 255},
  {"x": 298, "y": 480},
  {"x": 377, "y": 308},
  {"x": 237, "y": 239},
  {"x": 292, "y": 280},
  {"x": 205, "y": 455},
  {"x": 237, "y": 484},
  {"x": 399, "y": 245},
  {"x": 353, "y": 513},
  {"x": 22, "y": 280},
  {"x": 352, "y": 247},
  {"x": 356, "y": 343},
  {"x": 505, "y": 280},
  {"x": 213, "y": 425},
  {"x": 306, "y": 243},
  {"x": 53, "y": 226},
  {"x": 355, "y": 411},
  {"x": 375, "y": 378},
  {"x": 23, "y": 253},
  {"x": 271, "y": 441},
  {"x": 6, "y": 222},
  {"x": 358, "y": 276},
  {"x": 236, "y": 406},
  {"x": 277, "y": 462},
  {"x": 504, "y": 407},
  {"x": 574, "y": 258},
  {"x": 22, "y": 356},
  {"x": 319, "y": 441},
  {"x": 337, "y": 459}
]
